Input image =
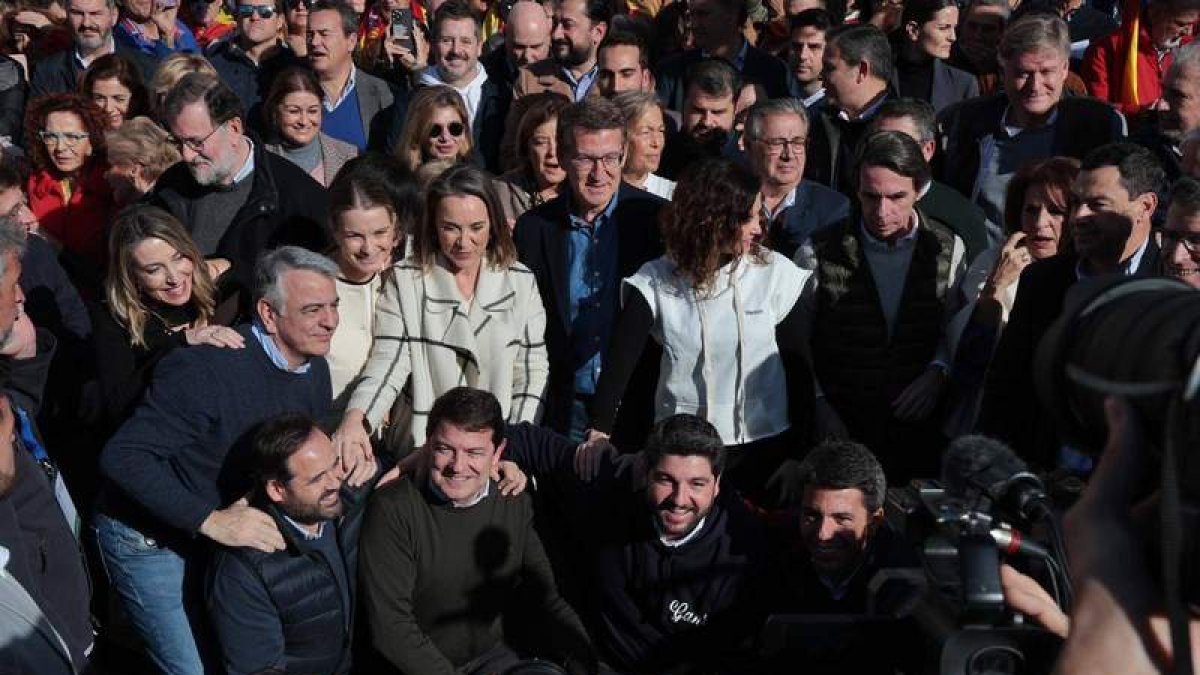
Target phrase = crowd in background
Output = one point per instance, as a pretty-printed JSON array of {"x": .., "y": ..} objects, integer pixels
[{"x": 437, "y": 336}]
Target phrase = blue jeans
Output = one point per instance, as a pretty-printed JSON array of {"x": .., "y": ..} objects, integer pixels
[{"x": 149, "y": 581}]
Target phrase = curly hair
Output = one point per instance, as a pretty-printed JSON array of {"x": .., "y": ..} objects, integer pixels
[
  {"x": 703, "y": 221},
  {"x": 94, "y": 121}
]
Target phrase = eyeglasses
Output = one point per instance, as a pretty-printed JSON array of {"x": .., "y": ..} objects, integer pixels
[
  {"x": 1190, "y": 241},
  {"x": 263, "y": 11},
  {"x": 455, "y": 129},
  {"x": 193, "y": 144},
  {"x": 67, "y": 138},
  {"x": 610, "y": 161},
  {"x": 775, "y": 146}
]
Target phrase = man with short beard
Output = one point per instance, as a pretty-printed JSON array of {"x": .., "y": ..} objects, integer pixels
[
  {"x": 707, "y": 117},
  {"x": 291, "y": 609},
  {"x": 92, "y": 24},
  {"x": 666, "y": 560},
  {"x": 235, "y": 198},
  {"x": 579, "y": 28}
]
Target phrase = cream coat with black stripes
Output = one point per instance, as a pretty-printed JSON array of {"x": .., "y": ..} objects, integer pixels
[{"x": 429, "y": 339}]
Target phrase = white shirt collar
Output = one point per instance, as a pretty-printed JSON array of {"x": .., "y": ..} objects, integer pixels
[
  {"x": 351, "y": 82},
  {"x": 248, "y": 165},
  {"x": 816, "y": 96},
  {"x": 109, "y": 48},
  {"x": 784, "y": 204},
  {"x": 1013, "y": 130},
  {"x": 308, "y": 536},
  {"x": 676, "y": 543},
  {"x": 480, "y": 496}
]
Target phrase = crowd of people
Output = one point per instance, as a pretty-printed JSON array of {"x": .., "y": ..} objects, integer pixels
[{"x": 466, "y": 336}]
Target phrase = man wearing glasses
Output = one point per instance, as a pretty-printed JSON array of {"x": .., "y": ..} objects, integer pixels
[
  {"x": 235, "y": 198},
  {"x": 579, "y": 246},
  {"x": 1181, "y": 233},
  {"x": 793, "y": 209},
  {"x": 247, "y": 59}
]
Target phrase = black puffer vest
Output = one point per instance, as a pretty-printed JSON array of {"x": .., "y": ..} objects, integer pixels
[{"x": 860, "y": 370}]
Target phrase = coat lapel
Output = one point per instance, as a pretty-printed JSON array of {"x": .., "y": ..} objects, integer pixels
[{"x": 557, "y": 254}]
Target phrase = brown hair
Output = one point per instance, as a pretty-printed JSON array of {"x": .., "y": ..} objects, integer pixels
[
  {"x": 126, "y": 301},
  {"x": 539, "y": 109},
  {"x": 1056, "y": 174},
  {"x": 121, "y": 69},
  {"x": 94, "y": 121},
  {"x": 420, "y": 119},
  {"x": 292, "y": 80},
  {"x": 702, "y": 222},
  {"x": 465, "y": 180}
]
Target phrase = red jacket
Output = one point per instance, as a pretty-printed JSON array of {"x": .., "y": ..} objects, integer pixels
[
  {"x": 1103, "y": 70},
  {"x": 81, "y": 226}
]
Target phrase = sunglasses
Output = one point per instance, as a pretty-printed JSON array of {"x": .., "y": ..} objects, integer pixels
[
  {"x": 456, "y": 129},
  {"x": 293, "y": 4},
  {"x": 263, "y": 11}
]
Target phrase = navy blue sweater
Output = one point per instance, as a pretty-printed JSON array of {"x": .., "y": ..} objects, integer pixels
[{"x": 180, "y": 456}]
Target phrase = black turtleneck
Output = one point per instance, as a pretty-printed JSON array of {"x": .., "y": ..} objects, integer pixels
[{"x": 916, "y": 77}]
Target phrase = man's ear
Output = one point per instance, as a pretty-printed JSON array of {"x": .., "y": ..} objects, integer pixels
[
  {"x": 1148, "y": 202},
  {"x": 864, "y": 71},
  {"x": 912, "y": 30},
  {"x": 275, "y": 491},
  {"x": 876, "y": 522},
  {"x": 267, "y": 315}
]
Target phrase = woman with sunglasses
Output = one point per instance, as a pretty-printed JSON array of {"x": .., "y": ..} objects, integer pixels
[
  {"x": 67, "y": 191},
  {"x": 293, "y": 112},
  {"x": 436, "y": 128}
]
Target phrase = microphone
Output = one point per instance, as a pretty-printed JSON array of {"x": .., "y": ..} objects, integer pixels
[
  {"x": 976, "y": 467},
  {"x": 1012, "y": 542}
]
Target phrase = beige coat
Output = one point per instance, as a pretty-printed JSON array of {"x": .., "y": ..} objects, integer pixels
[{"x": 428, "y": 340}]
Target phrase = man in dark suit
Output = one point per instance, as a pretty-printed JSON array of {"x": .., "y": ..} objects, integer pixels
[
  {"x": 793, "y": 209},
  {"x": 579, "y": 247},
  {"x": 717, "y": 29},
  {"x": 1116, "y": 194},
  {"x": 857, "y": 67},
  {"x": 92, "y": 23},
  {"x": 456, "y": 48},
  {"x": 526, "y": 41},
  {"x": 989, "y": 138},
  {"x": 942, "y": 202}
]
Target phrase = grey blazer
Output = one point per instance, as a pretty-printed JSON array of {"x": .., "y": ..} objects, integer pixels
[
  {"x": 334, "y": 154},
  {"x": 951, "y": 85},
  {"x": 375, "y": 101}
]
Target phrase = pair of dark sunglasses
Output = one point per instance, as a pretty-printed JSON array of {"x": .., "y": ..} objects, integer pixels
[
  {"x": 263, "y": 11},
  {"x": 456, "y": 129}
]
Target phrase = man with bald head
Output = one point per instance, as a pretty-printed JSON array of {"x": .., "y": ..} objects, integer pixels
[{"x": 526, "y": 41}]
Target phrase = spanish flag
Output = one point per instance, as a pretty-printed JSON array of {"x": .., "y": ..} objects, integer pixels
[{"x": 1132, "y": 12}]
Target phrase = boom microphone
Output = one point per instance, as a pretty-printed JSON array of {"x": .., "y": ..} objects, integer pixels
[{"x": 977, "y": 467}]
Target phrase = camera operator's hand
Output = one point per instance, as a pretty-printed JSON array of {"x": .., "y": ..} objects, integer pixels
[
  {"x": 920, "y": 398},
  {"x": 1024, "y": 594},
  {"x": 1112, "y": 627}
]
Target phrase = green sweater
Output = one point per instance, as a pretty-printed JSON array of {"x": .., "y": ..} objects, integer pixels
[{"x": 435, "y": 579}]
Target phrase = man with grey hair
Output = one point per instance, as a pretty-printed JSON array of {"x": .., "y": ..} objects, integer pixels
[
  {"x": 173, "y": 474},
  {"x": 793, "y": 209},
  {"x": 1178, "y": 113},
  {"x": 92, "y": 24},
  {"x": 989, "y": 138},
  {"x": 235, "y": 198}
]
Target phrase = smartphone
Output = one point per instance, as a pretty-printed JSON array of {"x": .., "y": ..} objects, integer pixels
[{"x": 402, "y": 28}]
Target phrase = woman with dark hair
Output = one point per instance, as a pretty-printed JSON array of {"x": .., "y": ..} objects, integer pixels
[
  {"x": 114, "y": 84},
  {"x": 922, "y": 44},
  {"x": 1036, "y": 209},
  {"x": 459, "y": 310},
  {"x": 724, "y": 308},
  {"x": 294, "y": 110},
  {"x": 67, "y": 191},
  {"x": 158, "y": 295},
  {"x": 538, "y": 176},
  {"x": 372, "y": 208},
  {"x": 436, "y": 127}
]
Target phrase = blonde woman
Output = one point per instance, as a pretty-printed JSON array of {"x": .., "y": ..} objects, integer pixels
[
  {"x": 171, "y": 70},
  {"x": 138, "y": 153},
  {"x": 436, "y": 127},
  {"x": 460, "y": 310},
  {"x": 158, "y": 296}
]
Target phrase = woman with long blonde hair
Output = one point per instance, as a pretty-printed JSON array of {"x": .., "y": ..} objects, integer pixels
[
  {"x": 437, "y": 127},
  {"x": 159, "y": 295}
]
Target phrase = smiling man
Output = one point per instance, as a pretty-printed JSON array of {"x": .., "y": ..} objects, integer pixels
[
  {"x": 989, "y": 138},
  {"x": 235, "y": 198},
  {"x": 444, "y": 555},
  {"x": 291, "y": 609},
  {"x": 1181, "y": 233}
]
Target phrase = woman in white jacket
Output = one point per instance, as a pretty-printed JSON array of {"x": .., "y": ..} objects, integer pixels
[
  {"x": 459, "y": 310},
  {"x": 723, "y": 307}
]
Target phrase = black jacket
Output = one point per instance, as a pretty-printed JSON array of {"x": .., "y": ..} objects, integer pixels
[
  {"x": 285, "y": 206},
  {"x": 1083, "y": 123},
  {"x": 285, "y": 609},
  {"x": 1011, "y": 410},
  {"x": 649, "y": 607},
  {"x": 541, "y": 237},
  {"x": 60, "y": 73},
  {"x": 249, "y": 80},
  {"x": 43, "y": 553}
]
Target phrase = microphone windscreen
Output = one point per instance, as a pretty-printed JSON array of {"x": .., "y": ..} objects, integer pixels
[{"x": 975, "y": 466}]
